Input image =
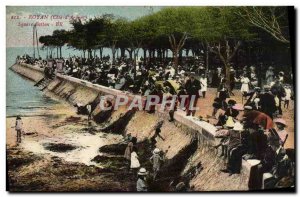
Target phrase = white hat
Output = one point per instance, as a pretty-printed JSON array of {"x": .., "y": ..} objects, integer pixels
[
  {"x": 156, "y": 151},
  {"x": 142, "y": 171}
]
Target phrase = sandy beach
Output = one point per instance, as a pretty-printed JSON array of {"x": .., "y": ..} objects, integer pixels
[{"x": 58, "y": 144}]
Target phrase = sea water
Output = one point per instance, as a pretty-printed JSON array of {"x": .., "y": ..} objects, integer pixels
[{"x": 22, "y": 97}]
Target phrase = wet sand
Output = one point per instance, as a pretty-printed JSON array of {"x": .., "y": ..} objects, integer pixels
[{"x": 41, "y": 163}]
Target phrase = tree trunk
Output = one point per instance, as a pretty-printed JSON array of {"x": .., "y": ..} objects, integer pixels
[
  {"x": 122, "y": 52},
  {"x": 180, "y": 56},
  {"x": 176, "y": 47},
  {"x": 136, "y": 51},
  {"x": 145, "y": 55},
  {"x": 227, "y": 57},
  {"x": 130, "y": 54},
  {"x": 150, "y": 56},
  {"x": 175, "y": 58},
  {"x": 113, "y": 51},
  {"x": 101, "y": 52}
]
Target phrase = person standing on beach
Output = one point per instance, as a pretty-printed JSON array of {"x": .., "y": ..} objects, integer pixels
[
  {"x": 134, "y": 164},
  {"x": 128, "y": 150},
  {"x": 156, "y": 161},
  {"x": 19, "y": 125},
  {"x": 141, "y": 184},
  {"x": 89, "y": 111}
]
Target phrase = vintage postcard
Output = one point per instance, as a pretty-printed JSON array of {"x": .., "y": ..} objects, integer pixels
[{"x": 150, "y": 98}]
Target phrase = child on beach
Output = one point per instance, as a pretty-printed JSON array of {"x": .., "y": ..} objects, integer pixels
[{"x": 18, "y": 127}]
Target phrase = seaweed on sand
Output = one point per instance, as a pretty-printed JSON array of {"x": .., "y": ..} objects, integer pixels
[{"x": 60, "y": 147}]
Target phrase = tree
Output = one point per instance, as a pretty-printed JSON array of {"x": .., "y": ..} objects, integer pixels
[
  {"x": 95, "y": 29},
  {"x": 113, "y": 32},
  {"x": 47, "y": 42},
  {"x": 176, "y": 23},
  {"x": 223, "y": 31},
  {"x": 78, "y": 36},
  {"x": 60, "y": 38},
  {"x": 273, "y": 20}
]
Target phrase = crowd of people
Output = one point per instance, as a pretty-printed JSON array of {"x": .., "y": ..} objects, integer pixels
[{"x": 252, "y": 130}]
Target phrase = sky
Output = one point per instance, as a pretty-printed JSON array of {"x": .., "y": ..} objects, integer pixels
[{"x": 19, "y": 19}]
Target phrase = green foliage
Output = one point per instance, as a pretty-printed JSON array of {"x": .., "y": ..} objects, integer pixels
[
  {"x": 216, "y": 23},
  {"x": 170, "y": 28}
]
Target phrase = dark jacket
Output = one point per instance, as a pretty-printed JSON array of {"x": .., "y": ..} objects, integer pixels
[
  {"x": 192, "y": 87},
  {"x": 267, "y": 103}
]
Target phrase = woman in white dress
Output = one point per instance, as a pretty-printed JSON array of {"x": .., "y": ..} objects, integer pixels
[
  {"x": 134, "y": 164},
  {"x": 245, "y": 84},
  {"x": 203, "y": 83}
]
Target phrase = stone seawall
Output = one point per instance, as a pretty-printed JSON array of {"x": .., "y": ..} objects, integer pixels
[
  {"x": 178, "y": 136},
  {"x": 28, "y": 71}
]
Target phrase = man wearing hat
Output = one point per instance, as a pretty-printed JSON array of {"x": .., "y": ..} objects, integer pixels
[
  {"x": 192, "y": 87},
  {"x": 156, "y": 160},
  {"x": 141, "y": 184},
  {"x": 267, "y": 102},
  {"x": 278, "y": 91}
]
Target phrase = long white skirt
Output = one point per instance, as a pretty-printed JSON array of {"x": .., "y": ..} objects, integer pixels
[
  {"x": 245, "y": 87},
  {"x": 134, "y": 161}
]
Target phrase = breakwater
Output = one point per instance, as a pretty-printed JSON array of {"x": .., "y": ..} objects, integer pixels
[{"x": 187, "y": 142}]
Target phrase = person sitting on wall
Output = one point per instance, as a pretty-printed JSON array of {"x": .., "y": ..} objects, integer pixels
[{"x": 237, "y": 147}]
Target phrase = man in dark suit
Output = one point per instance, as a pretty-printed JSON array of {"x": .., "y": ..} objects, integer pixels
[
  {"x": 267, "y": 102},
  {"x": 192, "y": 87}
]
